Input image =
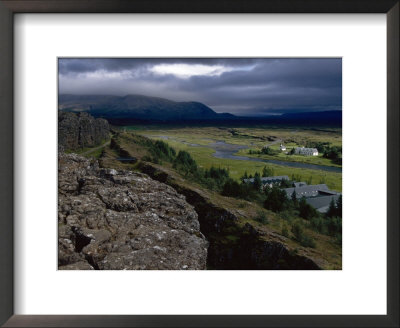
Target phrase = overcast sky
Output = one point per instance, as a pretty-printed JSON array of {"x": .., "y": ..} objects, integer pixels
[{"x": 251, "y": 87}]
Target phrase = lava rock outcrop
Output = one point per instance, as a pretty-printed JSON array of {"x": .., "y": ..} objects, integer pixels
[
  {"x": 121, "y": 220},
  {"x": 81, "y": 130}
]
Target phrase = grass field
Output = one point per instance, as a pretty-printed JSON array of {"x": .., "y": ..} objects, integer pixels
[{"x": 196, "y": 141}]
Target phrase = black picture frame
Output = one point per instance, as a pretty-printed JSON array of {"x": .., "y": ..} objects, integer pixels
[{"x": 7, "y": 10}]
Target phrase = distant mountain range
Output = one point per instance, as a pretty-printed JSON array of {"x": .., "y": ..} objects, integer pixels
[
  {"x": 137, "y": 107},
  {"x": 133, "y": 109}
]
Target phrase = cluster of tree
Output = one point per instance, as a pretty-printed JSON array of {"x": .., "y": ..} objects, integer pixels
[
  {"x": 217, "y": 173},
  {"x": 335, "y": 208},
  {"x": 264, "y": 151},
  {"x": 185, "y": 163},
  {"x": 276, "y": 199},
  {"x": 163, "y": 151},
  {"x": 214, "y": 178},
  {"x": 306, "y": 211},
  {"x": 159, "y": 151},
  {"x": 286, "y": 183},
  {"x": 321, "y": 146},
  {"x": 257, "y": 183},
  {"x": 269, "y": 151},
  {"x": 246, "y": 191},
  {"x": 266, "y": 172},
  {"x": 334, "y": 153},
  {"x": 251, "y": 191},
  {"x": 245, "y": 176}
]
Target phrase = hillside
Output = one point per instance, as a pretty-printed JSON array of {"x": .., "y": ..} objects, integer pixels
[
  {"x": 241, "y": 234},
  {"x": 137, "y": 108}
]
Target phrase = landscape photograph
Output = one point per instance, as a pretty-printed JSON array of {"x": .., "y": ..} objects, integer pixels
[{"x": 200, "y": 164}]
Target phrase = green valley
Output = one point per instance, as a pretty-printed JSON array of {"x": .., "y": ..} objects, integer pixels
[{"x": 181, "y": 158}]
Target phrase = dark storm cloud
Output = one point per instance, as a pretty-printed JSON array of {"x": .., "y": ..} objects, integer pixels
[{"x": 240, "y": 86}]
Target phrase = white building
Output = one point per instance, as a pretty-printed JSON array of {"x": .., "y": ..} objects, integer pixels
[
  {"x": 283, "y": 147},
  {"x": 306, "y": 151}
]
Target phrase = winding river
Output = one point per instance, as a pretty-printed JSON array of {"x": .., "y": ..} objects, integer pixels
[{"x": 225, "y": 150}]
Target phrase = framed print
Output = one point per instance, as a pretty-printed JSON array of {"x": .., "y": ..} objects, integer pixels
[
  {"x": 199, "y": 164},
  {"x": 269, "y": 174}
]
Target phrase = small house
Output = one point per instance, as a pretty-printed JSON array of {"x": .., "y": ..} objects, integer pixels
[
  {"x": 309, "y": 191},
  {"x": 306, "y": 151}
]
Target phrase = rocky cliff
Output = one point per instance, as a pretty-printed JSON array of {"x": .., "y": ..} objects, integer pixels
[
  {"x": 81, "y": 130},
  {"x": 116, "y": 220}
]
